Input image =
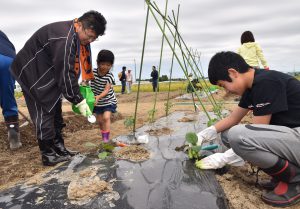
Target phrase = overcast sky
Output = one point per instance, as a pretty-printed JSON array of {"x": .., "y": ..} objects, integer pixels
[{"x": 208, "y": 26}]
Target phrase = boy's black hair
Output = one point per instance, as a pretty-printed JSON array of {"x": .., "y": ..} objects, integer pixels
[
  {"x": 93, "y": 20},
  {"x": 221, "y": 62},
  {"x": 124, "y": 68},
  {"x": 105, "y": 56},
  {"x": 247, "y": 37}
]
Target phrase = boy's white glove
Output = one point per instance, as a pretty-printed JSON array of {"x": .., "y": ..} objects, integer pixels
[
  {"x": 207, "y": 134},
  {"x": 84, "y": 108},
  {"x": 219, "y": 160}
]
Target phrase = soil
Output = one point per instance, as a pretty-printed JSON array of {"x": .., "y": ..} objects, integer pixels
[
  {"x": 24, "y": 164},
  {"x": 85, "y": 188},
  {"x": 133, "y": 153},
  {"x": 185, "y": 119},
  {"x": 159, "y": 131}
]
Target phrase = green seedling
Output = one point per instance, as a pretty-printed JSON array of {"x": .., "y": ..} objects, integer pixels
[
  {"x": 212, "y": 122},
  {"x": 151, "y": 114},
  {"x": 129, "y": 122},
  {"x": 218, "y": 108},
  {"x": 193, "y": 151},
  {"x": 105, "y": 150},
  {"x": 191, "y": 138},
  {"x": 107, "y": 147},
  {"x": 103, "y": 155},
  {"x": 168, "y": 106}
]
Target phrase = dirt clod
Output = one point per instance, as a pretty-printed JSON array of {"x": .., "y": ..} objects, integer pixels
[
  {"x": 85, "y": 188},
  {"x": 133, "y": 153},
  {"x": 185, "y": 119},
  {"x": 159, "y": 132}
]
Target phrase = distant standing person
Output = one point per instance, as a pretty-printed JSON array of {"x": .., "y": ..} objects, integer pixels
[
  {"x": 105, "y": 99},
  {"x": 7, "y": 98},
  {"x": 128, "y": 81},
  {"x": 251, "y": 51},
  {"x": 49, "y": 66},
  {"x": 154, "y": 75},
  {"x": 122, "y": 78}
]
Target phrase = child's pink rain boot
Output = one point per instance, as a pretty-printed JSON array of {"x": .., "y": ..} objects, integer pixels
[{"x": 105, "y": 136}]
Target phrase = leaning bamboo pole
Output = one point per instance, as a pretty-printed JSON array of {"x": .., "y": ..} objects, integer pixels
[
  {"x": 159, "y": 67},
  {"x": 171, "y": 69},
  {"x": 170, "y": 45},
  {"x": 141, "y": 68}
]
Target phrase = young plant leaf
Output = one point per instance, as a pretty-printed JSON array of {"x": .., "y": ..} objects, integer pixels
[
  {"x": 212, "y": 122},
  {"x": 196, "y": 148},
  {"x": 191, "y": 138},
  {"x": 129, "y": 122},
  {"x": 107, "y": 147},
  {"x": 102, "y": 155}
]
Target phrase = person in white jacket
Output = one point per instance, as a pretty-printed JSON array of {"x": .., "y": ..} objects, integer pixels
[
  {"x": 272, "y": 142},
  {"x": 128, "y": 81}
]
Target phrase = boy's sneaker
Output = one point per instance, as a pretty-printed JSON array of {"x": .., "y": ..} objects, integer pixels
[
  {"x": 269, "y": 184},
  {"x": 283, "y": 195}
]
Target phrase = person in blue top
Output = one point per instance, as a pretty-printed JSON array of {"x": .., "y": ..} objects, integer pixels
[
  {"x": 7, "y": 99},
  {"x": 154, "y": 75},
  {"x": 123, "y": 79}
]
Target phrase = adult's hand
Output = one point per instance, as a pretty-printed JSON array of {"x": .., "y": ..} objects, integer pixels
[{"x": 84, "y": 108}]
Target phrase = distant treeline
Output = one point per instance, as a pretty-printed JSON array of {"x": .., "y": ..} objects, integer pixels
[
  {"x": 166, "y": 78},
  {"x": 294, "y": 73},
  {"x": 163, "y": 78}
]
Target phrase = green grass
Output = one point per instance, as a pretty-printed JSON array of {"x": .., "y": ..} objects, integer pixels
[
  {"x": 297, "y": 77},
  {"x": 147, "y": 87},
  {"x": 163, "y": 87},
  {"x": 18, "y": 94}
]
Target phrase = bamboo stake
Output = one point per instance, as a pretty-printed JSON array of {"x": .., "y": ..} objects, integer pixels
[
  {"x": 159, "y": 67},
  {"x": 152, "y": 12},
  {"x": 171, "y": 70},
  {"x": 141, "y": 68},
  {"x": 180, "y": 38}
]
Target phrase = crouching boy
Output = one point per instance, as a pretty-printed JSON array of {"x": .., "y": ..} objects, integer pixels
[{"x": 272, "y": 142}]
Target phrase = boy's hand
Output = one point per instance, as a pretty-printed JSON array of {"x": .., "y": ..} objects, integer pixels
[
  {"x": 267, "y": 68},
  {"x": 207, "y": 134},
  {"x": 219, "y": 160},
  {"x": 84, "y": 108}
]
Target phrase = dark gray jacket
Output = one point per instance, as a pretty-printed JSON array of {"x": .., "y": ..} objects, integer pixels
[{"x": 44, "y": 67}]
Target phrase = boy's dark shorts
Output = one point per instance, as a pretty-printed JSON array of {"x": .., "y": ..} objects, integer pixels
[{"x": 101, "y": 110}]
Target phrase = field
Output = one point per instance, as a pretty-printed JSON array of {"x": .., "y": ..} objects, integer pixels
[
  {"x": 17, "y": 166},
  {"x": 179, "y": 86}
]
